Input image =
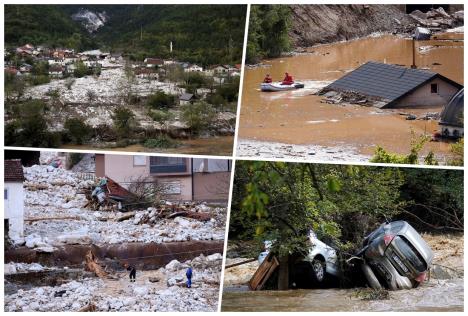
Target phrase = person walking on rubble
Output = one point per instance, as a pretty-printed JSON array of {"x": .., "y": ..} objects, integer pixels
[
  {"x": 132, "y": 270},
  {"x": 189, "y": 277}
]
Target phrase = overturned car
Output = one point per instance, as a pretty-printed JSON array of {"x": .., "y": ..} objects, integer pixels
[{"x": 395, "y": 256}]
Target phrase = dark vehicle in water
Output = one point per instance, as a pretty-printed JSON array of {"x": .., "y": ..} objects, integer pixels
[{"x": 395, "y": 256}]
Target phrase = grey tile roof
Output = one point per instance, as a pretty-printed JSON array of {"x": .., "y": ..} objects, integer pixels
[
  {"x": 186, "y": 97},
  {"x": 389, "y": 82}
]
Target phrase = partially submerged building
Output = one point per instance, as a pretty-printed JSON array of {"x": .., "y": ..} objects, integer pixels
[
  {"x": 185, "y": 179},
  {"x": 13, "y": 197},
  {"x": 451, "y": 118},
  {"x": 392, "y": 86}
]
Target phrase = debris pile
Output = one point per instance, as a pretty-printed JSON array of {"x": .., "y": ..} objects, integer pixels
[
  {"x": 437, "y": 19},
  {"x": 55, "y": 215},
  {"x": 161, "y": 290}
]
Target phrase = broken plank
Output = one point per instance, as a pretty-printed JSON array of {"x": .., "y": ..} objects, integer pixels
[
  {"x": 263, "y": 273},
  {"x": 194, "y": 215},
  {"x": 239, "y": 263},
  {"x": 52, "y": 218},
  {"x": 125, "y": 217}
]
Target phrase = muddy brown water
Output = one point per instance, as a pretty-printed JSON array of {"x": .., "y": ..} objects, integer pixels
[
  {"x": 437, "y": 296},
  {"x": 146, "y": 256},
  {"x": 220, "y": 145},
  {"x": 298, "y": 117}
]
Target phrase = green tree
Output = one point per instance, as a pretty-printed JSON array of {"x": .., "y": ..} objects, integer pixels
[
  {"x": 198, "y": 116},
  {"x": 78, "y": 130},
  {"x": 124, "y": 121},
  {"x": 268, "y": 31}
]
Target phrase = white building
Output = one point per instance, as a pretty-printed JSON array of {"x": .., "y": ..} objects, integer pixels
[
  {"x": 14, "y": 199},
  {"x": 193, "y": 68}
]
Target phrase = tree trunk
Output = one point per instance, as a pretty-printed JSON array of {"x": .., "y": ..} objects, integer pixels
[{"x": 283, "y": 273}]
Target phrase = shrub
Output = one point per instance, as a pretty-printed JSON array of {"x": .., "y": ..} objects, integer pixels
[
  {"x": 198, "y": 116},
  {"x": 162, "y": 141},
  {"x": 77, "y": 130},
  {"x": 161, "y": 100}
]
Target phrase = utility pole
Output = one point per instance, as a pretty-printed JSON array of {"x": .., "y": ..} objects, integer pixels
[{"x": 141, "y": 33}]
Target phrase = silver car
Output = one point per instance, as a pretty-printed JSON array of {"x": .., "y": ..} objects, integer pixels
[
  {"x": 321, "y": 260},
  {"x": 395, "y": 256}
]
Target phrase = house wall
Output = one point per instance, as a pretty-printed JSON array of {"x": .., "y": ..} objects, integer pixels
[
  {"x": 424, "y": 98},
  {"x": 121, "y": 168},
  {"x": 213, "y": 186},
  {"x": 14, "y": 209}
]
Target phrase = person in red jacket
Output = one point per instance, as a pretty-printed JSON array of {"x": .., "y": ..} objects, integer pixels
[
  {"x": 268, "y": 79},
  {"x": 288, "y": 79}
]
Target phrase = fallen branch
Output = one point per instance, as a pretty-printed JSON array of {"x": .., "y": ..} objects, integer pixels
[
  {"x": 239, "y": 263},
  {"x": 93, "y": 266},
  {"x": 52, "y": 218}
]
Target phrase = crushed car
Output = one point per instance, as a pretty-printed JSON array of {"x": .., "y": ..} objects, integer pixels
[{"x": 395, "y": 256}]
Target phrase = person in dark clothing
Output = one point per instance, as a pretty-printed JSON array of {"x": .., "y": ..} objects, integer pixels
[
  {"x": 132, "y": 270},
  {"x": 189, "y": 277}
]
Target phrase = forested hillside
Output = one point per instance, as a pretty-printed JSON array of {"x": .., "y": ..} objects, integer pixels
[{"x": 206, "y": 34}]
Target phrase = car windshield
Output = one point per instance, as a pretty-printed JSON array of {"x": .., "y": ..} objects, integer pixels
[{"x": 410, "y": 253}]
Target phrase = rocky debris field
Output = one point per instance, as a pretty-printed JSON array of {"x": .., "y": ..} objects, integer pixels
[
  {"x": 253, "y": 148},
  {"x": 318, "y": 24},
  {"x": 54, "y": 193},
  {"x": 157, "y": 290}
]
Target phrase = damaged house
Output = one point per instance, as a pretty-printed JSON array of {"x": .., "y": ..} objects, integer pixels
[
  {"x": 392, "y": 86},
  {"x": 13, "y": 199},
  {"x": 185, "y": 179}
]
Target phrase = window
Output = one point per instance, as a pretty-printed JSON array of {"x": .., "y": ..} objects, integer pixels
[
  {"x": 434, "y": 88},
  {"x": 168, "y": 165},
  {"x": 5, "y": 193},
  {"x": 139, "y": 160}
]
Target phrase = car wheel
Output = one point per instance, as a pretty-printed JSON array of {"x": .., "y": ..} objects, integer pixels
[
  {"x": 370, "y": 277},
  {"x": 318, "y": 271}
]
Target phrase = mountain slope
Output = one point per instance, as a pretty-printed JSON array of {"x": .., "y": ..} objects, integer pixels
[{"x": 206, "y": 34}]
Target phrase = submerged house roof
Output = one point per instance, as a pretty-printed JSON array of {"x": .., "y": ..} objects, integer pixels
[
  {"x": 387, "y": 82},
  {"x": 187, "y": 97},
  {"x": 452, "y": 114},
  {"x": 13, "y": 171}
]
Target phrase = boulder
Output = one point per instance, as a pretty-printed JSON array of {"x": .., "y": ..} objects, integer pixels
[{"x": 174, "y": 265}]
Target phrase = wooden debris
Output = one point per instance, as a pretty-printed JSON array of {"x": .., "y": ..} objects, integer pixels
[
  {"x": 37, "y": 219},
  {"x": 263, "y": 273},
  {"x": 200, "y": 216},
  {"x": 239, "y": 263},
  {"x": 88, "y": 308},
  {"x": 125, "y": 216},
  {"x": 93, "y": 266}
]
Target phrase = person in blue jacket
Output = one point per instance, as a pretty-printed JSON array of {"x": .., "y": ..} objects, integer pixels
[{"x": 189, "y": 277}]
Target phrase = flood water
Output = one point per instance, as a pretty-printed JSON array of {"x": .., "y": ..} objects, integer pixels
[
  {"x": 437, "y": 296},
  {"x": 298, "y": 117},
  {"x": 220, "y": 145}
]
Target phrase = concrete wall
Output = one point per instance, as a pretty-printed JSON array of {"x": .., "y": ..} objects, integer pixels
[
  {"x": 451, "y": 131},
  {"x": 14, "y": 209},
  {"x": 213, "y": 186},
  {"x": 422, "y": 97}
]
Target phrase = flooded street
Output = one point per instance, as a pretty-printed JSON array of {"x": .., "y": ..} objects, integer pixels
[
  {"x": 438, "y": 295},
  {"x": 298, "y": 117}
]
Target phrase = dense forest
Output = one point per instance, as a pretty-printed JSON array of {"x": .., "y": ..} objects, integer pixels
[
  {"x": 280, "y": 201},
  {"x": 268, "y": 31},
  {"x": 205, "y": 34}
]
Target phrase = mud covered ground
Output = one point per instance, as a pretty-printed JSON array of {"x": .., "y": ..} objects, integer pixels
[{"x": 443, "y": 292}]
